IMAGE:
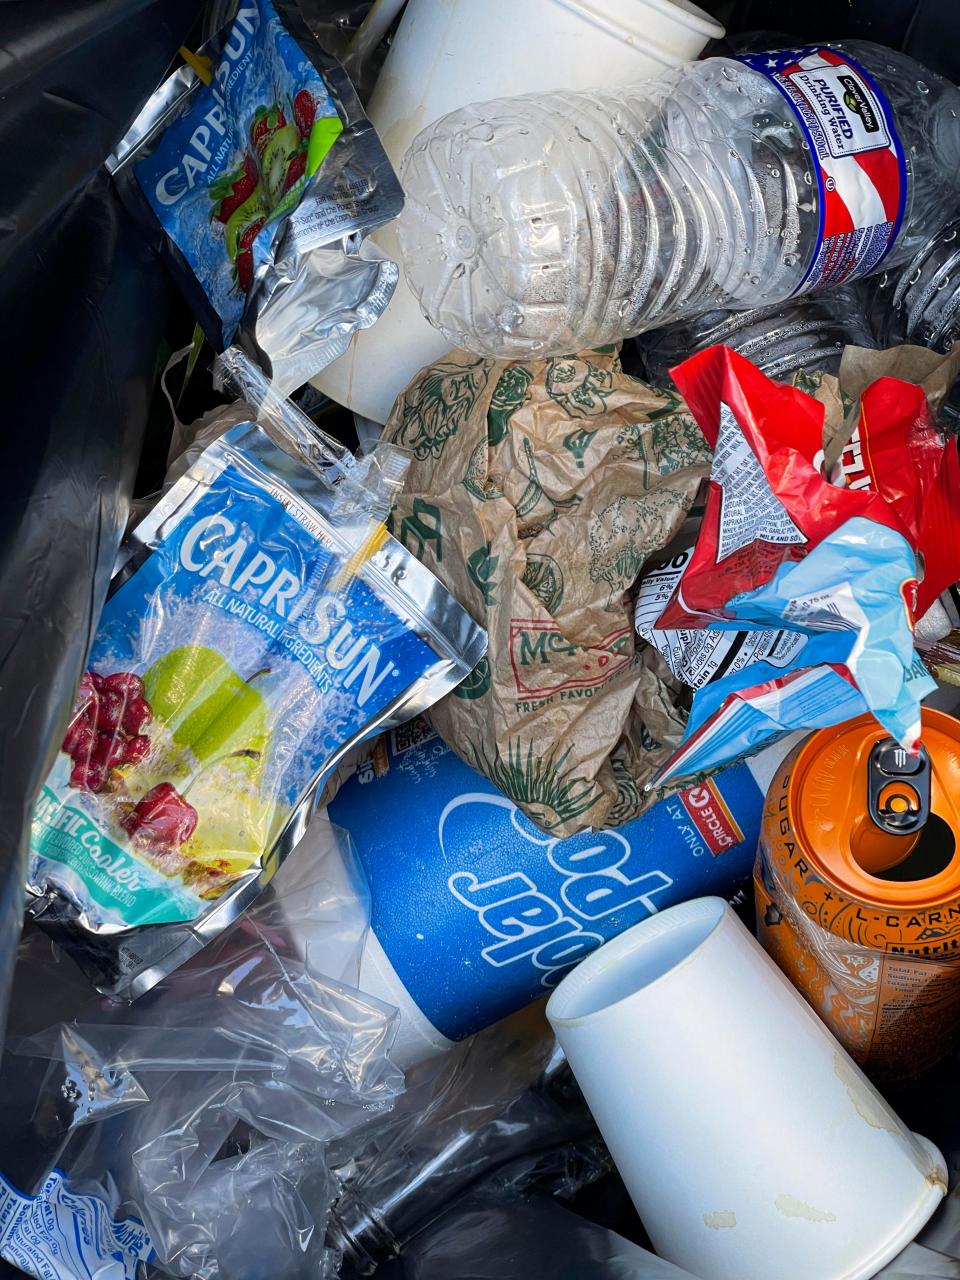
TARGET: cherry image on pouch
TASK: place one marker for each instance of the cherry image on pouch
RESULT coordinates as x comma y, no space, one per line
163,819
110,714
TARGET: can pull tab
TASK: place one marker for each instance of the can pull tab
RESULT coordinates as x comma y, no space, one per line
899,788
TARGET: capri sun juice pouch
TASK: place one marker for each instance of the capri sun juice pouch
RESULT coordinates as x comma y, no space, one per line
250,185
247,643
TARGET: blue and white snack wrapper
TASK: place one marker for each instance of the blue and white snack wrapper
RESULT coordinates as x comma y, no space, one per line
829,637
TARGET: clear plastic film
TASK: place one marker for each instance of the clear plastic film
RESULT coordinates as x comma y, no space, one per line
262,998
301,1031
370,482
505,1104
217,1095
368,485
46,1103
243,1216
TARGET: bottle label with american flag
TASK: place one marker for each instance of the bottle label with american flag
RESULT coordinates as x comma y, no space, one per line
858,159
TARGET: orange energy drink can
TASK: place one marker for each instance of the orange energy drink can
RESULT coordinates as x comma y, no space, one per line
857,884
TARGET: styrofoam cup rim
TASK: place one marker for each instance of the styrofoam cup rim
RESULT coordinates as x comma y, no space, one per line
622,948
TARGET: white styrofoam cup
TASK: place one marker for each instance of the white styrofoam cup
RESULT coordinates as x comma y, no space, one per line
751,1144
448,53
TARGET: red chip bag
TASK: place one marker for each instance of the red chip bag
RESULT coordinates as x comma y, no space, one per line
898,450
768,501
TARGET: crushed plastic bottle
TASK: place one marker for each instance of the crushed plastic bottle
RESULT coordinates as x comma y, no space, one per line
547,224
920,303
805,334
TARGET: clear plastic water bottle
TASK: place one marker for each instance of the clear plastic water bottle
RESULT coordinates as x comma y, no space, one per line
804,334
920,303
546,224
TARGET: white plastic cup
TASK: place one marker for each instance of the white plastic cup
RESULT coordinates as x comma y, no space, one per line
448,53
751,1144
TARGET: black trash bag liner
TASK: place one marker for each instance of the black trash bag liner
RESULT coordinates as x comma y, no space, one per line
82,306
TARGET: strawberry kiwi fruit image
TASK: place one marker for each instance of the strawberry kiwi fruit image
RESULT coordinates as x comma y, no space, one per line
304,113
243,198
234,190
241,205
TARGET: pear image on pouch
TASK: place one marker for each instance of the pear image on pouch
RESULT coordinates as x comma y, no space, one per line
216,725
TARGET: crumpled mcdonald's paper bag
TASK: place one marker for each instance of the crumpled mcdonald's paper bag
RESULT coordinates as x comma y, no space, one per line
537,492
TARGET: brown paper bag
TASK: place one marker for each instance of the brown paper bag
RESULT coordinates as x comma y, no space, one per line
537,492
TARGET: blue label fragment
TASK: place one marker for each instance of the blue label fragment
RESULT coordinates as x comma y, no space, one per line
60,1235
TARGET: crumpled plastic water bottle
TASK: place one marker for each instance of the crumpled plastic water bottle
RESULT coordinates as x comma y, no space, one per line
803,335
540,225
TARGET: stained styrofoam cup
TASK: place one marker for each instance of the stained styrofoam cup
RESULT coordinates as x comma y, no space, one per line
448,53
750,1143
